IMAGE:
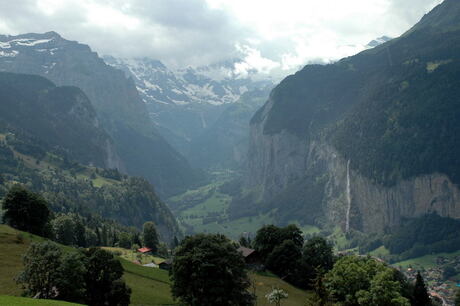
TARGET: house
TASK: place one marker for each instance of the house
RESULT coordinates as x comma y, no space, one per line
166,265
145,250
251,256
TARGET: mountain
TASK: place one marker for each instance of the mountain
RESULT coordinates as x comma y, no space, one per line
366,141
44,131
115,99
186,103
66,118
224,144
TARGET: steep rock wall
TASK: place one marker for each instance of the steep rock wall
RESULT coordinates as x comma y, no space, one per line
375,207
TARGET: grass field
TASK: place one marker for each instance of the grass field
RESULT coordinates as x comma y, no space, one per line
11,249
150,286
265,284
21,301
132,256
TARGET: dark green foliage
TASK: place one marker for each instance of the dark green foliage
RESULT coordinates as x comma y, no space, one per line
317,256
364,281
457,298
124,241
92,276
424,235
71,282
150,236
26,211
41,275
103,279
284,261
64,230
270,236
208,270
421,297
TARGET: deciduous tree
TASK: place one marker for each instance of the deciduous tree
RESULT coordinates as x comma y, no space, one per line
208,270
26,211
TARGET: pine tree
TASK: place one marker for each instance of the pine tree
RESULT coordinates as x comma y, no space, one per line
421,297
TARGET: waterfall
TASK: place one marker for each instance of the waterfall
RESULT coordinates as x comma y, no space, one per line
347,224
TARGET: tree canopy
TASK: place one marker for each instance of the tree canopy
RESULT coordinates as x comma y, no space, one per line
26,211
208,270
150,236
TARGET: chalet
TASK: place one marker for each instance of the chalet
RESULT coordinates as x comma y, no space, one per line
145,250
251,256
166,265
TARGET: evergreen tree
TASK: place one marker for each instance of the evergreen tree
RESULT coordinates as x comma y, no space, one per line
421,297
457,298
150,236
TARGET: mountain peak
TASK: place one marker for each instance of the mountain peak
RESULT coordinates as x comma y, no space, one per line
444,17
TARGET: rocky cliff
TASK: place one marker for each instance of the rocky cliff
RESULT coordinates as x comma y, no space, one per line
368,140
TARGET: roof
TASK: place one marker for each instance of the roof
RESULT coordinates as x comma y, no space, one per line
151,265
144,250
245,251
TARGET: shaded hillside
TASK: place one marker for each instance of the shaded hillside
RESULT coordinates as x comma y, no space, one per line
61,116
114,97
44,131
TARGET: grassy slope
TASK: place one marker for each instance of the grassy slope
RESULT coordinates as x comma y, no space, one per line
265,284
132,256
149,286
11,251
21,301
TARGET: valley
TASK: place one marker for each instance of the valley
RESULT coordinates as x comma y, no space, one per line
247,178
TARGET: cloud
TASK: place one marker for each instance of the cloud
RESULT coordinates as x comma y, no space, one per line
272,37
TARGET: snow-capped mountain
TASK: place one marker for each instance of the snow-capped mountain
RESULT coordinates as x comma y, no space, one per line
118,105
378,41
183,103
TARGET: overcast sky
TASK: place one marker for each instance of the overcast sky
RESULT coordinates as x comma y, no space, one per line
269,35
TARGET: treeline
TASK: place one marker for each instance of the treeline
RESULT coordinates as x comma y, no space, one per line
28,211
428,234
415,237
91,276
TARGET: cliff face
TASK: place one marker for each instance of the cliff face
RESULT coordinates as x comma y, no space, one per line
376,134
373,207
